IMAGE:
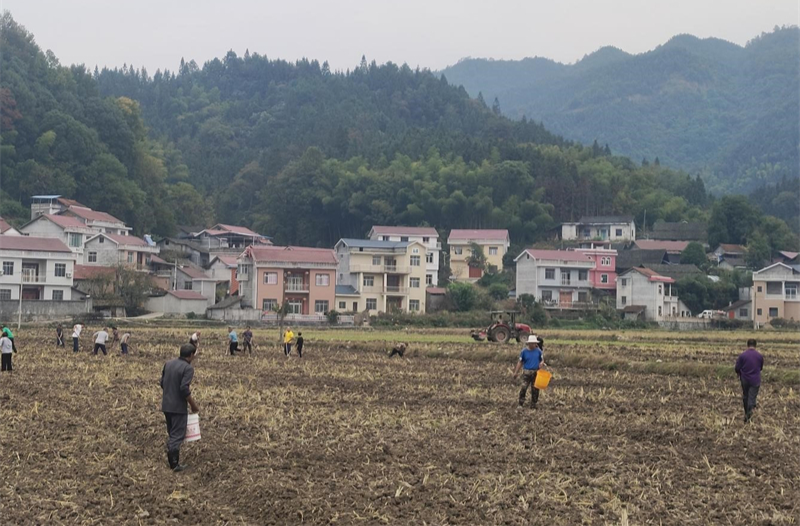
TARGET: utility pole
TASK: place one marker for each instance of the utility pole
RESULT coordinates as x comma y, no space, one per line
19,314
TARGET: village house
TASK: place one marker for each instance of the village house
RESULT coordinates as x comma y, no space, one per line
611,228
604,274
425,235
190,278
627,259
739,310
645,294
302,278
8,230
51,204
559,279
223,270
729,256
680,231
177,302
38,268
220,240
111,250
674,249
775,293
386,275
494,244
70,230
100,222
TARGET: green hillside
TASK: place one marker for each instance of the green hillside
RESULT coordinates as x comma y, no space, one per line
703,105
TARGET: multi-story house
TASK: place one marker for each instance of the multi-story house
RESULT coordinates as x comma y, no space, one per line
494,243
111,250
51,204
556,278
644,293
190,278
100,222
7,230
730,256
223,269
611,228
386,275
776,293
674,249
71,230
38,268
231,237
303,278
425,235
604,274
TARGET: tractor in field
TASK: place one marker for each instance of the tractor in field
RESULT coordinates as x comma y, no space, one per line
504,327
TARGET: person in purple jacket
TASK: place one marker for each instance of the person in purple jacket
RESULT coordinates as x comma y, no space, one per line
748,367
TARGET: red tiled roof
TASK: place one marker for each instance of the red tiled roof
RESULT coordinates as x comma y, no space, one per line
65,221
292,255
157,260
4,226
241,230
92,215
194,273
653,275
732,249
406,230
187,295
436,290
70,202
669,246
127,240
465,235
228,260
559,255
82,272
40,244
787,254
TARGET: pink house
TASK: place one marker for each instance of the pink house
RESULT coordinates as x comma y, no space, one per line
604,275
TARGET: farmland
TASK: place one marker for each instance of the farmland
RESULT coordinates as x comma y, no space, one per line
637,428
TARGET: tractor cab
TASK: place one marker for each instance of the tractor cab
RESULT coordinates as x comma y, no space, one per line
503,328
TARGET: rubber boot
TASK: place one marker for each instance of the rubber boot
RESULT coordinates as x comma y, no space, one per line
171,459
178,466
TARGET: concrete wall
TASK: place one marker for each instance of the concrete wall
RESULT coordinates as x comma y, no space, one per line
108,253
169,304
43,310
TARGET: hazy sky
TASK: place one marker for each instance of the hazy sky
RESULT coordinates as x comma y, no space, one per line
431,33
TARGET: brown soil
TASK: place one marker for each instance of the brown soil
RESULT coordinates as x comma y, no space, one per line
348,436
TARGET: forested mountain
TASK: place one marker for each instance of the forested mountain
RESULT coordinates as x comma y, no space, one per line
302,153
707,106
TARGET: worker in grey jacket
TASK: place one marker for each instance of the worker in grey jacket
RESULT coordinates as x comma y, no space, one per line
176,379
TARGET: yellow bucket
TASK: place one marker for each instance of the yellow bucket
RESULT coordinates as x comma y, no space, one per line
542,379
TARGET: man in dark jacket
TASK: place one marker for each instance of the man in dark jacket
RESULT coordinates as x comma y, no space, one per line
176,379
748,367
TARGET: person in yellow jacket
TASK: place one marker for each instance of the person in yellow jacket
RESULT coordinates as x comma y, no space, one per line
288,336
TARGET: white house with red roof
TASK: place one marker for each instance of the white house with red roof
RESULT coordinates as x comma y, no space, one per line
223,269
195,279
51,204
557,278
111,250
178,302
40,268
98,221
645,294
422,234
71,230
7,230
494,243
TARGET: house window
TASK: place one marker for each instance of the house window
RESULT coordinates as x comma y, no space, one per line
413,283
549,273
295,306
660,289
269,305
426,239
774,288
587,232
659,310
547,295
619,232
582,275
342,305
583,297
372,304
566,277
187,285
321,306
624,300
624,282
323,280
92,257
75,240
603,278
369,281
492,251
429,279
58,295
130,257
270,278
413,305
403,239
791,291
376,260
458,251
242,269
415,261
101,239
415,251
61,270
743,313
773,312
8,268
759,312
5,294
429,257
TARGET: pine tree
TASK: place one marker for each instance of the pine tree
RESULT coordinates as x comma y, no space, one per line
496,106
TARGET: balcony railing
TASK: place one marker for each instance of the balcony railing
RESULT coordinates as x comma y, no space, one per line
392,289
296,287
33,278
381,269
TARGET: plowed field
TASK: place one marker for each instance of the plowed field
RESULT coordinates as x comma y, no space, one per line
348,436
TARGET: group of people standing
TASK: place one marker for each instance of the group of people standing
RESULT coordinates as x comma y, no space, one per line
99,338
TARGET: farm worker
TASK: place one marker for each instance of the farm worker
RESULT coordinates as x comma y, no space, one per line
194,339
10,335
114,337
100,339
6,349
530,359
76,334
300,342
748,367
234,345
248,341
123,342
288,336
59,336
176,379
399,350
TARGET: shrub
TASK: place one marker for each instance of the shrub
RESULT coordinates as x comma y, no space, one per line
783,323
462,296
333,317
498,291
